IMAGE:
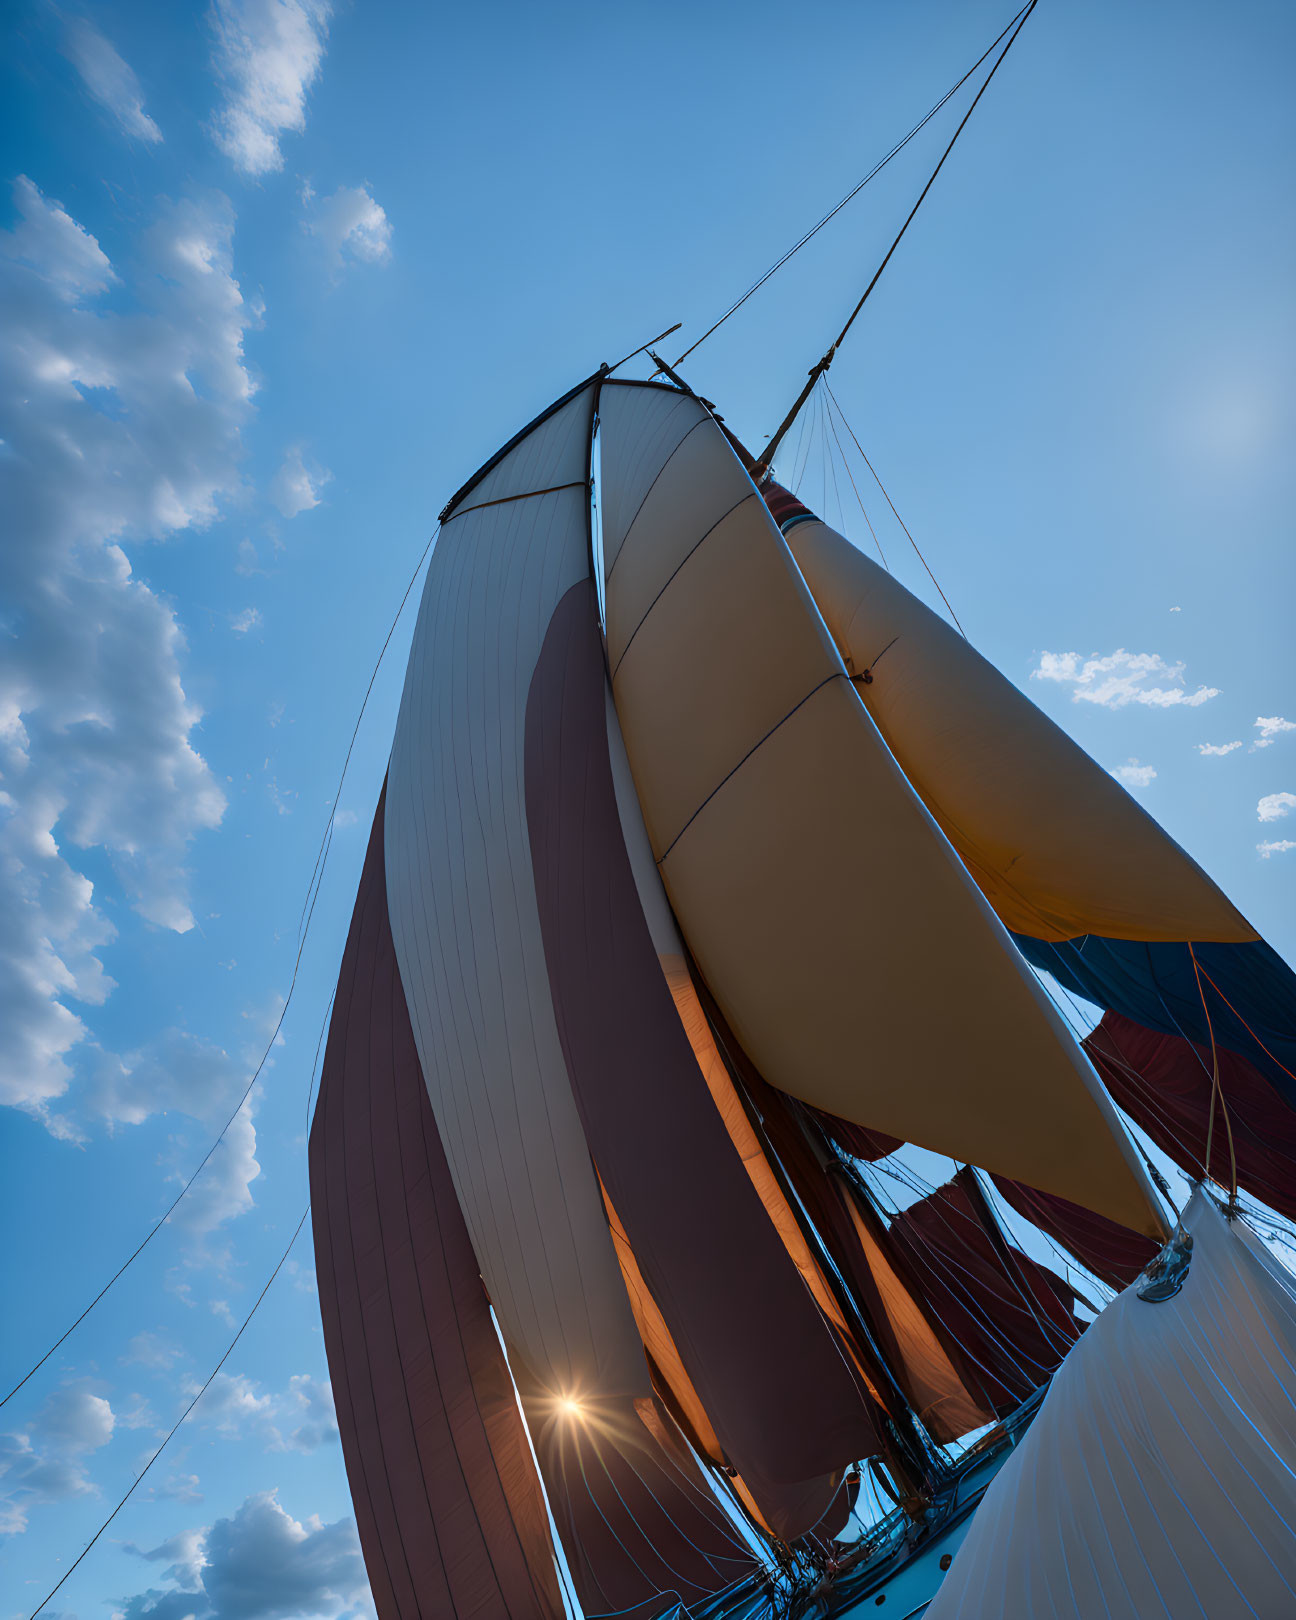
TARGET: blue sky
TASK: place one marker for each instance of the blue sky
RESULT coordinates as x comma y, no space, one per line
278,276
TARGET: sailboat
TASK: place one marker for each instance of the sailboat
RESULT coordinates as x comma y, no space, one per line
712,867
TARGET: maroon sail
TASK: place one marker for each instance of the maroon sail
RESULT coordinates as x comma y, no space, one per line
451,1517
1110,1251
1164,1083
785,1400
1012,1319
637,1518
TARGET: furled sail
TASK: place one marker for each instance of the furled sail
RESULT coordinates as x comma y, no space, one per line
1156,1479
1092,889
450,1512
812,887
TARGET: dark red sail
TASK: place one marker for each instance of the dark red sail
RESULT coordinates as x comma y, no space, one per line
1164,1083
1111,1252
451,1517
1012,1319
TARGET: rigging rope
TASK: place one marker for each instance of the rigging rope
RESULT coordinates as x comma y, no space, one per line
918,553
308,912
229,1350
850,195
822,365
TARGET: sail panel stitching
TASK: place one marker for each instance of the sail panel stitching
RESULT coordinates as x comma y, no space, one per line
629,526
526,495
692,551
837,675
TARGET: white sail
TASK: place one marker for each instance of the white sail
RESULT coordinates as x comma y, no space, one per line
465,920
1158,1481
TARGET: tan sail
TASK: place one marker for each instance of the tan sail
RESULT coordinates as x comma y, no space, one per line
856,961
1057,845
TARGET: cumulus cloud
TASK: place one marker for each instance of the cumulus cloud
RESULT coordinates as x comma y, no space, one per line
1271,729
1275,805
118,424
352,224
1218,748
1121,678
248,619
301,1418
268,54
44,1463
260,1564
1134,775
232,1403
295,487
1275,846
109,79
181,1073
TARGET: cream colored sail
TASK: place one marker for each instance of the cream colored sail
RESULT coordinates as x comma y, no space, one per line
848,947
465,922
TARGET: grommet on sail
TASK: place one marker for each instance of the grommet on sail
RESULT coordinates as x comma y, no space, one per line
629,999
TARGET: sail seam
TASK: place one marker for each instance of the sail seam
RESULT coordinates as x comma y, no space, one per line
526,495
675,571
701,422
837,675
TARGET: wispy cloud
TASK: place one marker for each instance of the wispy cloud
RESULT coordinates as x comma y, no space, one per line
1218,748
1275,805
1134,775
248,619
1275,846
352,224
1121,678
109,79
296,487
1270,729
268,54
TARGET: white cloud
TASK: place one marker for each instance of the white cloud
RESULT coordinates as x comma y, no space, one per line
109,79
1275,805
248,619
295,487
309,1407
1134,775
268,53
45,1463
75,1418
260,1564
1275,846
1121,678
179,1073
1218,748
152,1350
352,224
67,260
177,1488
1271,729
248,562
119,424
232,1404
